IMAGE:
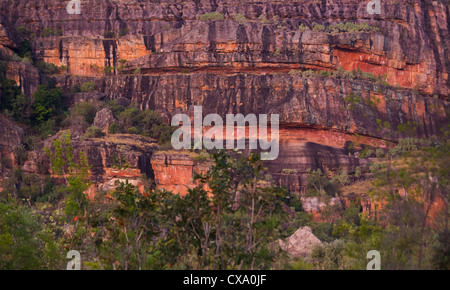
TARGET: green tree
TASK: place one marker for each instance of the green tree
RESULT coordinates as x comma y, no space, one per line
88,87
47,103
25,243
74,171
134,214
246,216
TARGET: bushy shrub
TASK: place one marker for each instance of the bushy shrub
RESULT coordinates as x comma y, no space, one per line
23,31
84,109
319,184
263,19
109,34
295,72
289,171
25,49
47,103
88,87
124,31
303,28
241,19
64,68
349,27
148,123
212,16
8,94
47,68
308,73
93,132
46,32
75,89
47,128
108,69
345,27
325,73
113,128
133,130
318,27
15,57
81,116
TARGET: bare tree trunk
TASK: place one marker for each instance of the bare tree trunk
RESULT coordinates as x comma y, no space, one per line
127,249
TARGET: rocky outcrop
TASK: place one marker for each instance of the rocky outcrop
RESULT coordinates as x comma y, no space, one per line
301,243
175,171
103,119
305,149
111,158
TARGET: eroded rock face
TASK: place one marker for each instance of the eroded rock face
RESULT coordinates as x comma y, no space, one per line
112,158
11,136
174,172
319,102
7,37
410,46
25,75
231,66
301,243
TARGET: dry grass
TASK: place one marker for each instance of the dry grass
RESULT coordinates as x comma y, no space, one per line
129,139
360,188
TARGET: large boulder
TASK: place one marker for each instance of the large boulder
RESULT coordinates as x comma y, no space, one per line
103,119
301,243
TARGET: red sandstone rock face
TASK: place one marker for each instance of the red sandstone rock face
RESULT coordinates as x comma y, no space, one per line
411,46
25,75
7,37
175,172
315,102
113,158
11,136
231,67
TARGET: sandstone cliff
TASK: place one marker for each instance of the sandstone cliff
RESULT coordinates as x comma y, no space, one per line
270,57
410,46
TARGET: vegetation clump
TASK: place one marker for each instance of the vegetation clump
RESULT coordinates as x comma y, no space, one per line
212,16
343,27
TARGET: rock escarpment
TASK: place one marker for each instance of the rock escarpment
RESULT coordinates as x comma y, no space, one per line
175,172
410,43
112,158
334,73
